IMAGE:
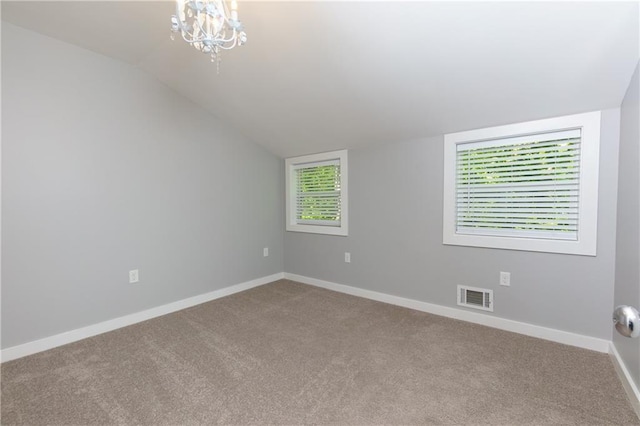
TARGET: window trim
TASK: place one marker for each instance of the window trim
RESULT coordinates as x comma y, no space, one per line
586,242
290,185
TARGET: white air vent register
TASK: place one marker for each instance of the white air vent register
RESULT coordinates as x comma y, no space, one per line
478,298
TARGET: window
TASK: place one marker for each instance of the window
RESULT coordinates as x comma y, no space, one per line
528,186
316,187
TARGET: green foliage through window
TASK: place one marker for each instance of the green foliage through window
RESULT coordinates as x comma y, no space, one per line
318,194
530,188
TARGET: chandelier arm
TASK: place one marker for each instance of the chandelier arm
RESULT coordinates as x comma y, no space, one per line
192,39
185,29
185,32
233,38
200,25
223,47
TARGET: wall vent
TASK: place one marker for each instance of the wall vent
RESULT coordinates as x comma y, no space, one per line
477,298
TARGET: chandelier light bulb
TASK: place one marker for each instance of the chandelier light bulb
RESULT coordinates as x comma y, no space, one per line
234,10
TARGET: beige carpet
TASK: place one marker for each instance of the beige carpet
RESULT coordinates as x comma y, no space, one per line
287,353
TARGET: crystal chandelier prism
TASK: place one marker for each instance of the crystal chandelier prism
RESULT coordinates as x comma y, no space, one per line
208,25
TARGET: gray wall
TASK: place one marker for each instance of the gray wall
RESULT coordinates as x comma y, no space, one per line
395,241
104,169
627,283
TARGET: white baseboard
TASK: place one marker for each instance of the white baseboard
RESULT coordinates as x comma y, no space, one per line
559,336
51,342
565,337
625,377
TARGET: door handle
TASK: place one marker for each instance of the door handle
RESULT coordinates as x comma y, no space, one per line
627,321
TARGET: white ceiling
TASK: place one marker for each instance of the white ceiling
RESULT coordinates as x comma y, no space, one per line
318,75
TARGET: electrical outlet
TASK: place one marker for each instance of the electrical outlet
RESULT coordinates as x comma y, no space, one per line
134,276
505,278
265,251
347,257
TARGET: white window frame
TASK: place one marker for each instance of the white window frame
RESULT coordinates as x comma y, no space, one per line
586,242
290,166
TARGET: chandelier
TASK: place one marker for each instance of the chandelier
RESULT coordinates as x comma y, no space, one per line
208,26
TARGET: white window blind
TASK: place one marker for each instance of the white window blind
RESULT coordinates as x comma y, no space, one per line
317,193
318,199
525,186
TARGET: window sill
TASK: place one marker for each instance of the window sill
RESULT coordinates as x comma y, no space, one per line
315,229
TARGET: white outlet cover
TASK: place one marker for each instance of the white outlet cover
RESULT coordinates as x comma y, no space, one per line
505,279
134,276
265,251
347,257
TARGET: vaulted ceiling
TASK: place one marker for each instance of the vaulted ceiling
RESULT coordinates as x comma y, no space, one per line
319,75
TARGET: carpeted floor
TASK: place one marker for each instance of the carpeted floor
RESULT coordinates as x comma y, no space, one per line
288,353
